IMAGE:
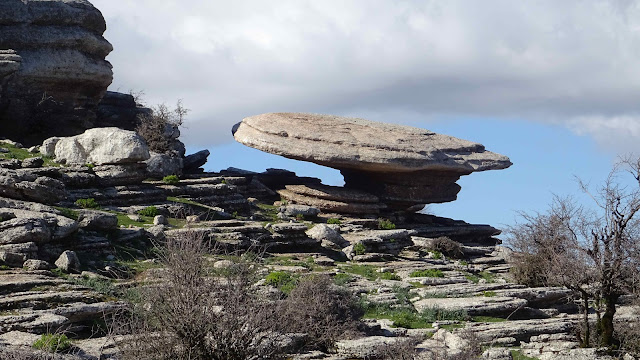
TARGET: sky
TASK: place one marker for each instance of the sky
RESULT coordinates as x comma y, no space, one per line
552,84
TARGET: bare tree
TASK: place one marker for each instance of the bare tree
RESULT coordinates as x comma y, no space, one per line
593,251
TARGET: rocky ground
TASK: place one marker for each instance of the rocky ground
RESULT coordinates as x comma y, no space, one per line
66,260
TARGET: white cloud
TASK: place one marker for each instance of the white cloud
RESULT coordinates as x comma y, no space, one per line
573,62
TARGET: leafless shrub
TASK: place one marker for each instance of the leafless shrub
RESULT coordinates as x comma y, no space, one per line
322,310
404,349
196,314
449,248
153,127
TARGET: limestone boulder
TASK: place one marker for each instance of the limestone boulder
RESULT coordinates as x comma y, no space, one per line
68,262
403,165
63,67
101,146
161,165
193,162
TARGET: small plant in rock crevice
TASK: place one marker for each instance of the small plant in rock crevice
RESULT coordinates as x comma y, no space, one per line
89,203
359,249
386,224
171,180
52,343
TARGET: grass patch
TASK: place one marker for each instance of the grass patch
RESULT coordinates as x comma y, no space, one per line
269,211
407,317
436,255
52,343
342,279
367,271
488,319
21,154
124,220
5,267
66,212
389,276
518,355
99,285
334,221
282,280
489,293
88,203
427,273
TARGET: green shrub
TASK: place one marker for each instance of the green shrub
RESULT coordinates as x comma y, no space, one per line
489,293
436,255
427,273
282,280
52,343
475,278
334,221
386,224
359,249
150,211
299,217
171,180
89,203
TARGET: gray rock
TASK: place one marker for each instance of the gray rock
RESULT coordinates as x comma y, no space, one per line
161,165
34,264
122,174
12,259
301,210
34,162
160,220
63,70
22,185
327,234
405,167
97,220
332,199
68,262
194,161
48,147
101,146
479,305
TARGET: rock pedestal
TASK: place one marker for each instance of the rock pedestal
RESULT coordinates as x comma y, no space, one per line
404,166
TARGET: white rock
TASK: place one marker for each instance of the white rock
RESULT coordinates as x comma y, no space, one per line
101,146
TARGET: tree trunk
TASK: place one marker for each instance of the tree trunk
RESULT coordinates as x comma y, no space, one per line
606,323
587,330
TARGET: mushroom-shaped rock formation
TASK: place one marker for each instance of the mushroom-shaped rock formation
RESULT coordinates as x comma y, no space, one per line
402,165
63,73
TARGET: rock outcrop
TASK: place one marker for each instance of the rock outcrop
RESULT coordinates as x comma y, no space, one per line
402,165
62,74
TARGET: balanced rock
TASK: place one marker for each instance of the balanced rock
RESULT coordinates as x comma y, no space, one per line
102,146
63,72
404,166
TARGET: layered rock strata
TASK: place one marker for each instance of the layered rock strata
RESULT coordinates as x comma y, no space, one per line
63,72
404,166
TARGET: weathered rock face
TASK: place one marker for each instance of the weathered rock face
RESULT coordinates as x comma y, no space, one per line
63,73
402,165
101,146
